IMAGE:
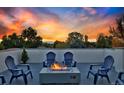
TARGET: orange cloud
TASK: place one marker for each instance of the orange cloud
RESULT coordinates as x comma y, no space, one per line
95,28
6,23
16,24
52,31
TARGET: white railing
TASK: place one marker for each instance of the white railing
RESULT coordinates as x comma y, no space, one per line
80,55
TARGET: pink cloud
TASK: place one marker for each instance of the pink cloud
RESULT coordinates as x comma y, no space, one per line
90,10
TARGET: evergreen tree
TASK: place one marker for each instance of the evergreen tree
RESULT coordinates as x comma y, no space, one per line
24,56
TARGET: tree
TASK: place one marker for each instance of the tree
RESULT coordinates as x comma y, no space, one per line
75,40
24,56
86,38
103,41
20,42
29,34
12,41
30,37
16,40
6,42
118,31
47,45
37,41
86,41
1,46
92,45
59,44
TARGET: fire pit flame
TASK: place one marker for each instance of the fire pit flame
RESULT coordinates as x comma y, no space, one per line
57,66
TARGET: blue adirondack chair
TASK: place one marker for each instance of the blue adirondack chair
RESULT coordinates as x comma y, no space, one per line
120,80
2,79
16,71
50,59
68,60
103,69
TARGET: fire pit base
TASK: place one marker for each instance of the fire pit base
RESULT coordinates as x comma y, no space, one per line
47,76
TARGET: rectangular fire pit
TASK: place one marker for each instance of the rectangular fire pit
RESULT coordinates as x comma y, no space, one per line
69,76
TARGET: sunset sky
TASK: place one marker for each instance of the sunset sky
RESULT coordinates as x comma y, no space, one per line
55,23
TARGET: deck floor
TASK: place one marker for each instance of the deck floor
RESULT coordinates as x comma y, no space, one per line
82,67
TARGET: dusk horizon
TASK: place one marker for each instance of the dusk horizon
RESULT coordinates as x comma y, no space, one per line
55,23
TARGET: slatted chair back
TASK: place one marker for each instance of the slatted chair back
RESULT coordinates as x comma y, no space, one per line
68,58
9,61
108,62
50,58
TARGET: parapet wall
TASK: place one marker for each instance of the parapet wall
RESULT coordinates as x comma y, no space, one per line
80,55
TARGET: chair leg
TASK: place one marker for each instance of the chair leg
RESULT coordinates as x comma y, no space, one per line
116,82
11,79
108,79
95,79
88,75
3,80
25,79
31,75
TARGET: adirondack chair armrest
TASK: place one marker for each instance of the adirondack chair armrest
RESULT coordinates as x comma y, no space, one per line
13,70
27,65
94,65
44,64
74,63
1,76
63,62
120,75
102,69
